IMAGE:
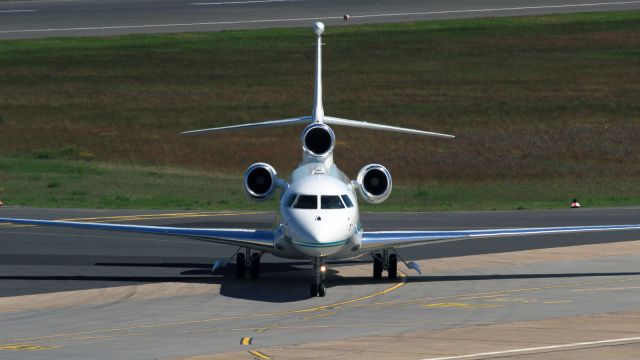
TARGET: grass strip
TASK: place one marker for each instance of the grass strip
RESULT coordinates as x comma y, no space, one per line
545,108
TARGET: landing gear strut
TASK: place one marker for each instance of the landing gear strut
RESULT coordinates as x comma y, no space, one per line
385,261
241,265
377,266
255,265
247,259
319,287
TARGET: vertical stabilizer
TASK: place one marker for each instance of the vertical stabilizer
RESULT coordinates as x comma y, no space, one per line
317,115
318,111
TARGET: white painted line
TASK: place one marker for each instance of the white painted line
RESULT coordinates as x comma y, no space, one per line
36,1
121,27
609,289
542,7
541,348
241,2
15,11
266,21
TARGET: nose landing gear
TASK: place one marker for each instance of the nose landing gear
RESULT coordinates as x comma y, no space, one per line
319,287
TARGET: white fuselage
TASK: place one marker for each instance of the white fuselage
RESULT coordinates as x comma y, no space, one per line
318,214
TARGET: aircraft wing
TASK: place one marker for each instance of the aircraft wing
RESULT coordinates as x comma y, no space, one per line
375,240
254,239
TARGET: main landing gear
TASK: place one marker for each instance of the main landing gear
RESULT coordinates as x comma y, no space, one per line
248,260
319,287
385,261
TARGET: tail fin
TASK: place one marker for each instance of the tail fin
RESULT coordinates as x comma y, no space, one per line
317,114
318,110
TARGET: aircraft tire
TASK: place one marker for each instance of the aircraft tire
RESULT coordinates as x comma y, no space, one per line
377,267
255,266
322,290
393,267
240,266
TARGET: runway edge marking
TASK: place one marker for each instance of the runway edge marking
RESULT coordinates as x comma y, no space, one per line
541,348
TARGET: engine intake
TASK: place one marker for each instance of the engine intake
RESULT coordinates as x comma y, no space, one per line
260,181
318,140
374,183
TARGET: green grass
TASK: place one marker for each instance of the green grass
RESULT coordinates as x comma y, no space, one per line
545,108
56,182
77,183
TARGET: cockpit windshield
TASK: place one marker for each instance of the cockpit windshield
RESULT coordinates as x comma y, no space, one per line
331,202
347,201
306,202
311,201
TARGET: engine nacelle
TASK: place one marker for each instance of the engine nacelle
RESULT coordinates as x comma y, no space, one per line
374,183
260,181
318,140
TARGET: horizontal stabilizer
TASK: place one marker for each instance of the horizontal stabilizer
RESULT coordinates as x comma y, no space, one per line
263,124
366,125
308,119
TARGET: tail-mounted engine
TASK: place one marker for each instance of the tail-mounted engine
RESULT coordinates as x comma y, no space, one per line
318,140
374,183
260,181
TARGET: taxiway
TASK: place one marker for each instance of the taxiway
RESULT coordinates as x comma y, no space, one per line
76,294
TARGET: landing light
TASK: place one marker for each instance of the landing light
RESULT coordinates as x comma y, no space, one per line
323,268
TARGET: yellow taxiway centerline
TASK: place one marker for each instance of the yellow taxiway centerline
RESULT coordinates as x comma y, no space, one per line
263,329
318,316
55,337
27,347
259,354
495,293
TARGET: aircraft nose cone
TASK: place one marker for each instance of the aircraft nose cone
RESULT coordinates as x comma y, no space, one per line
317,236
323,231
318,233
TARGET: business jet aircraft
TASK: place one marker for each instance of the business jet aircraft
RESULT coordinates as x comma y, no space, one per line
318,216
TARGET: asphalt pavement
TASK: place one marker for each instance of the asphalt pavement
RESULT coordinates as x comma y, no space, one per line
41,260
47,18
74,294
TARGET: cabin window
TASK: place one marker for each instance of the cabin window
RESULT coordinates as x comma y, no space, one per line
347,201
290,200
331,202
307,202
